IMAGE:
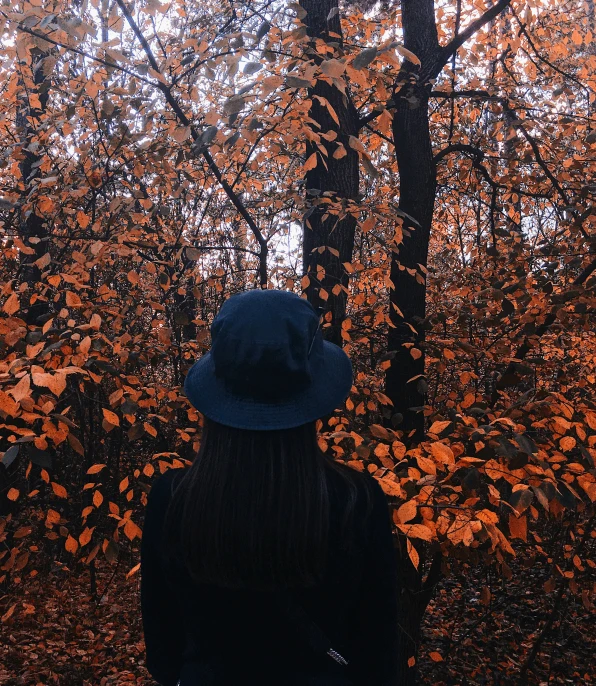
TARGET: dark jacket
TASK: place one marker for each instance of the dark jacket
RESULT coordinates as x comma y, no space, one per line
205,635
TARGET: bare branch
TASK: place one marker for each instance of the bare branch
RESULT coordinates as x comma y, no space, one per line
185,121
459,147
448,50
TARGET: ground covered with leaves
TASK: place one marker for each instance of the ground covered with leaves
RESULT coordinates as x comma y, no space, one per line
478,630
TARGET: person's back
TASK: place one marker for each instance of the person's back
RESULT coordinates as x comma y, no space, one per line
265,563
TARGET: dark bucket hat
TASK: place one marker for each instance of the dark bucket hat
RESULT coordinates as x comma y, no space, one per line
269,367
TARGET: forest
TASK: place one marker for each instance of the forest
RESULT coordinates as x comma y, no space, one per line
423,172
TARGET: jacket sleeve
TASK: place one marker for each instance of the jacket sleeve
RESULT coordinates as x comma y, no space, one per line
375,629
162,621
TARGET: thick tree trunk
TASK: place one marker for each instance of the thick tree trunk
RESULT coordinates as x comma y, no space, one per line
329,242
405,383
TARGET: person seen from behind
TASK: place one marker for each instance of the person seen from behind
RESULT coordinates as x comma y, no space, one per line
267,563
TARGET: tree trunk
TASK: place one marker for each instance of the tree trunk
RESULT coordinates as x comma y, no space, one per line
329,242
405,383
32,228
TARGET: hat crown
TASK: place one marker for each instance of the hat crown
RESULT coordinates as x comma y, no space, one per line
264,344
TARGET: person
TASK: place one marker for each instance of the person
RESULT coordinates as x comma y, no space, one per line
266,562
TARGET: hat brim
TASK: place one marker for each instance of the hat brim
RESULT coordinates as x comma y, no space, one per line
329,388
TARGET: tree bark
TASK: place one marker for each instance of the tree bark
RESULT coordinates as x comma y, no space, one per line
32,226
405,383
329,242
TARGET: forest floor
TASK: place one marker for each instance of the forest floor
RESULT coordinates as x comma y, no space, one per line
58,634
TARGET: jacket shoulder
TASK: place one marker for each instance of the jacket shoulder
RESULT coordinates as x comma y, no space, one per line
163,487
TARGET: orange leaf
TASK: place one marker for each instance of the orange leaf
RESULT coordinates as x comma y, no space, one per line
95,468
85,345
8,614
111,417
442,452
123,484
12,305
71,544
97,498
8,405
518,526
417,531
438,427
436,657
86,535
134,570
55,382
59,490
413,553
12,494
567,443
131,530
406,512
52,517
72,299
310,163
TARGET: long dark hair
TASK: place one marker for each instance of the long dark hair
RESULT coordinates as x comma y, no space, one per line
253,509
